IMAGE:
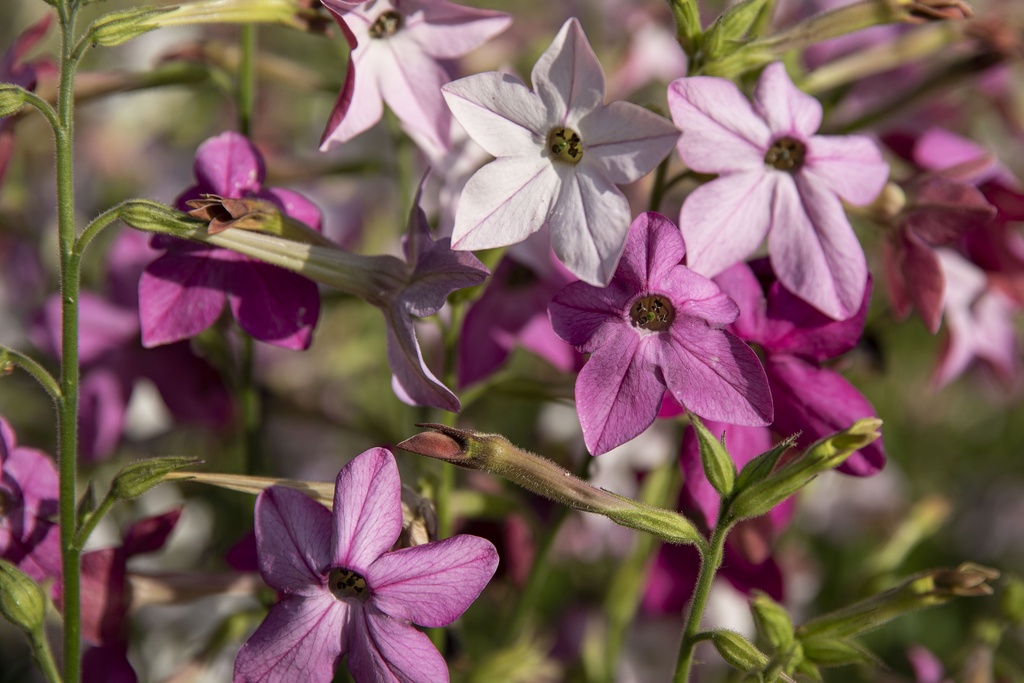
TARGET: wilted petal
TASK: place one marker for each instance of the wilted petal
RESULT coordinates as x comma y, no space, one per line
721,131
568,76
300,640
499,112
626,140
433,584
387,650
725,220
714,374
293,541
367,510
814,251
228,165
786,109
851,166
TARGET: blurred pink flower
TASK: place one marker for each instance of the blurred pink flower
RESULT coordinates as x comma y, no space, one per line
776,178
344,593
657,325
26,74
560,154
398,48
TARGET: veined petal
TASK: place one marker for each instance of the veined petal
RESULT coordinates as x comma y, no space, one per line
293,535
743,287
386,650
500,113
503,202
433,584
274,305
445,30
626,141
367,510
300,640
813,249
413,89
618,392
724,221
851,166
714,374
568,77
180,295
785,108
411,379
585,316
653,249
697,296
359,105
228,165
721,131
589,221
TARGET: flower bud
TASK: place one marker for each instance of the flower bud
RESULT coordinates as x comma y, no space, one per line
732,28
719,468
154,217
738,652
12,99
136,478
21,599
833,652
120,27
688,26
772,621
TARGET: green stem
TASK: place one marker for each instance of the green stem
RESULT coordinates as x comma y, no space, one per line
44,656
658,191
67,406
96,227
710,561
247,80
249,399
44,108
10,357
93,520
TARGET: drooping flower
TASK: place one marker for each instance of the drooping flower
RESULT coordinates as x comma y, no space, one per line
776,178
811,399
184,291
114,360
344,593
560,154
399,46
657,325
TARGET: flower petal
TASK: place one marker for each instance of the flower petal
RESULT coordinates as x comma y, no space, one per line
725,220
445,30
503,202
296,206
589,222
500,113
359,106
411,379
293,541
851,166
587,316
785,108
181,294
721,131
300,640
568,77
653,249
274,305
433,584
714,374
618,392
625,140
367,510
386,650
814,251
228,165
410,82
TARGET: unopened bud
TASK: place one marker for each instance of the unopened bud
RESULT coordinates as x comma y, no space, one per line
12,99
719,468
21,599
154,217
832,652
772,621
732,28
136,478
116,28
738,652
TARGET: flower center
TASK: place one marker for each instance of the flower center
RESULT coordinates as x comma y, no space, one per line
345,583
652,312
386,25
786,154
565,145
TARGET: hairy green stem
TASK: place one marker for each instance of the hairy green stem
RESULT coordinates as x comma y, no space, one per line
10,357
96,227
67,406
710,561
44,108
44,657
658,191
93,520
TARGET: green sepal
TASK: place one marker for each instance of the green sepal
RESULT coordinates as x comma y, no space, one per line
116,28
21,599
12,99
807,669
835,652
136,478
738,652
760,467
772,621
825,454
688,26
733,28
86,504
155,217
719,467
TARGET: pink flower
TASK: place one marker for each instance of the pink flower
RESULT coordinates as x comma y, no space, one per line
657,325
398,48
344,593
776,178
560,154
26,74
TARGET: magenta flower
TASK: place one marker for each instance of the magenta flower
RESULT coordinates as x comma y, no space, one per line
657,325
776,178
184,291
560,154
344,593
26,74
28,501
810,398
398,49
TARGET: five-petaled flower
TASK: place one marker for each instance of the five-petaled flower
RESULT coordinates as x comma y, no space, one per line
657,325
560,153
344,593
184,291
776,177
